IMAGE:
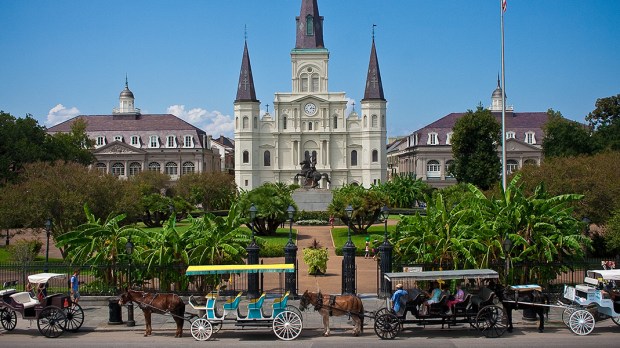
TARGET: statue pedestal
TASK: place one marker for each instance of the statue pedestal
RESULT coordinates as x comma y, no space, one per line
312,199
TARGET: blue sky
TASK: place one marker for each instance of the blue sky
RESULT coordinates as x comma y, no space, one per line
63,58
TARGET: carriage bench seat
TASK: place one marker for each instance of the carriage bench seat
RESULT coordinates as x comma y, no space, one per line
483,298
233,304
255,307
24,299
7,292
279,304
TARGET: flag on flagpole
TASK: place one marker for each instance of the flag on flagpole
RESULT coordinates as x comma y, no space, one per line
504,5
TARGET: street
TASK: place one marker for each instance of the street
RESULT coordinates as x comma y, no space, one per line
606,334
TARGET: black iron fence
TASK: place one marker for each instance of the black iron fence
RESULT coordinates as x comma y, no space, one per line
112,279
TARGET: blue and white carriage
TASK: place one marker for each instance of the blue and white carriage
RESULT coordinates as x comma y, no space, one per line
285,320
598,298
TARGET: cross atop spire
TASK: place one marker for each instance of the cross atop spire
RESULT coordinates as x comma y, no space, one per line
245,88
374,87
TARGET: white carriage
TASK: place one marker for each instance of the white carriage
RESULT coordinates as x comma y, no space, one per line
598,298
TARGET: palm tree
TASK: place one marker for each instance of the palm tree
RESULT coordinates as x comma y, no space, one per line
99,243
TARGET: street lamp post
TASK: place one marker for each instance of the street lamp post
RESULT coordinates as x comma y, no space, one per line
385,252
348,261
48,231
507,248
290,256
129,250
253,250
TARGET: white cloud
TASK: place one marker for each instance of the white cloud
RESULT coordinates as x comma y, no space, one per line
60,113
212,122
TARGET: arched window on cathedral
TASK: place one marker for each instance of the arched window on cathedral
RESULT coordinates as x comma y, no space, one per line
309,126
315,83
267,159
354,158
307,155
304,82
335,122
237,122
309,25
284,122
255,122
375,121
246,122
246,157
375,156
365,121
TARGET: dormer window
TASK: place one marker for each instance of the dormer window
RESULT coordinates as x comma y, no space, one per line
135,141
118,138
510,135
432,139
449,138
171,141
154,141
530,138
100,140
188,141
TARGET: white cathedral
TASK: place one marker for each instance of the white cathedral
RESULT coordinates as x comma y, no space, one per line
310,123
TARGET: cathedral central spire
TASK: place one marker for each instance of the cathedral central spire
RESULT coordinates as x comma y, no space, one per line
309,26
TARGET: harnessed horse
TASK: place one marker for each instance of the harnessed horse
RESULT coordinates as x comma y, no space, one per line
328,305
157,303
531,299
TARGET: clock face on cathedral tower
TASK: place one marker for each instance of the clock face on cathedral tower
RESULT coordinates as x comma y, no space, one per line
310,109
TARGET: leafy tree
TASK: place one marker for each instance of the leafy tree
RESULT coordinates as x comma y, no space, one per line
474,144
212,190
403,191
58,192
565,137
271,201
595,177
605,119
366,204
23,140
612,233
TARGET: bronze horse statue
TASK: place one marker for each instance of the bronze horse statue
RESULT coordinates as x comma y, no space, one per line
157,303
328,305
311,176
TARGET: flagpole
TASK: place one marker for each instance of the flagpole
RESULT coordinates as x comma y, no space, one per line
501,10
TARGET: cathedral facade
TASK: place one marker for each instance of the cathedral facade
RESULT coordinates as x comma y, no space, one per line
310,123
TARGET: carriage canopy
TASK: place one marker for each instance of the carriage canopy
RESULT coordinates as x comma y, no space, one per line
227,269
443,275
42,278
606,274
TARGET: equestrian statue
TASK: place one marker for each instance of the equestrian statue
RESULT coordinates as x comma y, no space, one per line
311,177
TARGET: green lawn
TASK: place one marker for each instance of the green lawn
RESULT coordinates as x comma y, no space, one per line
374,232
4,255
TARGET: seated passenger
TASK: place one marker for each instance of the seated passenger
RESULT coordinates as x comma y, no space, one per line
435,295
458,298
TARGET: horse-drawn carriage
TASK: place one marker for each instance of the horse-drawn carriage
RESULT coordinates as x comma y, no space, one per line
54,314
597,299
285,320
479,307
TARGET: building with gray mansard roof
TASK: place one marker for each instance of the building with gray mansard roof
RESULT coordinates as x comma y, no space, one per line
128,142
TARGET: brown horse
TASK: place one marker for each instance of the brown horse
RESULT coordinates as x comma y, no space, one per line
157,303
328,305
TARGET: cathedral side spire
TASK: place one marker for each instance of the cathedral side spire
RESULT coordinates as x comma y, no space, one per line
374,87
309,26
245,89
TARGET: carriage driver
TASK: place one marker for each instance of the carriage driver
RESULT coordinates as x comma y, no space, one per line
396,305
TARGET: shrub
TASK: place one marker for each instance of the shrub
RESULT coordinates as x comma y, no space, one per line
25,250
316,258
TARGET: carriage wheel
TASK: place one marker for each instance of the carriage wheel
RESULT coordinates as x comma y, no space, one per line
51,321
201,329
8,319
217,326
287,325
581,322
568,311
294,310
381,312
387,326
616,320
491,321
75,317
